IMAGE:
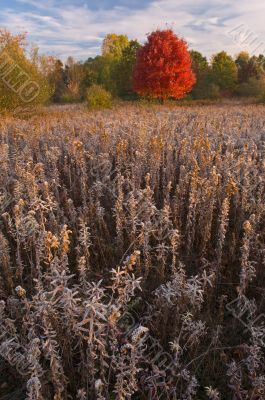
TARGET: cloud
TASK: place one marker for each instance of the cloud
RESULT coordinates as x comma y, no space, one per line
74,28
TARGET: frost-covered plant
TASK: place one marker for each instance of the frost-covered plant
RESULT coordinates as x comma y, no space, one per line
132,253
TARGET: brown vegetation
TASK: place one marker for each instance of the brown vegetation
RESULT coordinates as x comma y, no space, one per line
127,232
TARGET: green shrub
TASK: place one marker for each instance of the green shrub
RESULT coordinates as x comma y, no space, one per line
253,88
261,97
213,91
67,98
206,90
97,97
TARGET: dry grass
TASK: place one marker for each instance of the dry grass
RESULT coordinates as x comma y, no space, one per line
156,214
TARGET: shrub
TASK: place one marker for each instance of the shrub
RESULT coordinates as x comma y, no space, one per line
206,90
253,88
67,98
261,97
97,97
213,91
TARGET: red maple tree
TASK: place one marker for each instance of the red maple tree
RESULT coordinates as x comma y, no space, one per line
163,67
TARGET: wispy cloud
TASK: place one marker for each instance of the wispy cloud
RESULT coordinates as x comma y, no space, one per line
75,27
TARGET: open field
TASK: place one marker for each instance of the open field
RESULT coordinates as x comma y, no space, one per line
132,254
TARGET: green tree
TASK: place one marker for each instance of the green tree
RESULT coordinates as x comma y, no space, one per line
100,71
113,67
243,66
199,62
204,87
224,72
122,71
57,80
91,72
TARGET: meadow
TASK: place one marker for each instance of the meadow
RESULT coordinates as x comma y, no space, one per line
132,253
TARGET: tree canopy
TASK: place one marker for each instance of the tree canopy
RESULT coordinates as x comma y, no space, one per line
114,44
224,71
163,67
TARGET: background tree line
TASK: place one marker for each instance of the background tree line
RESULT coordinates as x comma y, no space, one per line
222,76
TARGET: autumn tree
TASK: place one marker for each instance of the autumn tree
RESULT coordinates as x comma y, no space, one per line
251,81
114,44
257,66
53,70
22,84
74,76
163,67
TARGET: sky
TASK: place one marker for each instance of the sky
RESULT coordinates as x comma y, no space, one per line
77,27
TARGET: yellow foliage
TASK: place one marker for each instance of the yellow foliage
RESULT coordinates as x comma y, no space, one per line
21,83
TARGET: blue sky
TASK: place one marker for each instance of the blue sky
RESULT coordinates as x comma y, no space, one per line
68,27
